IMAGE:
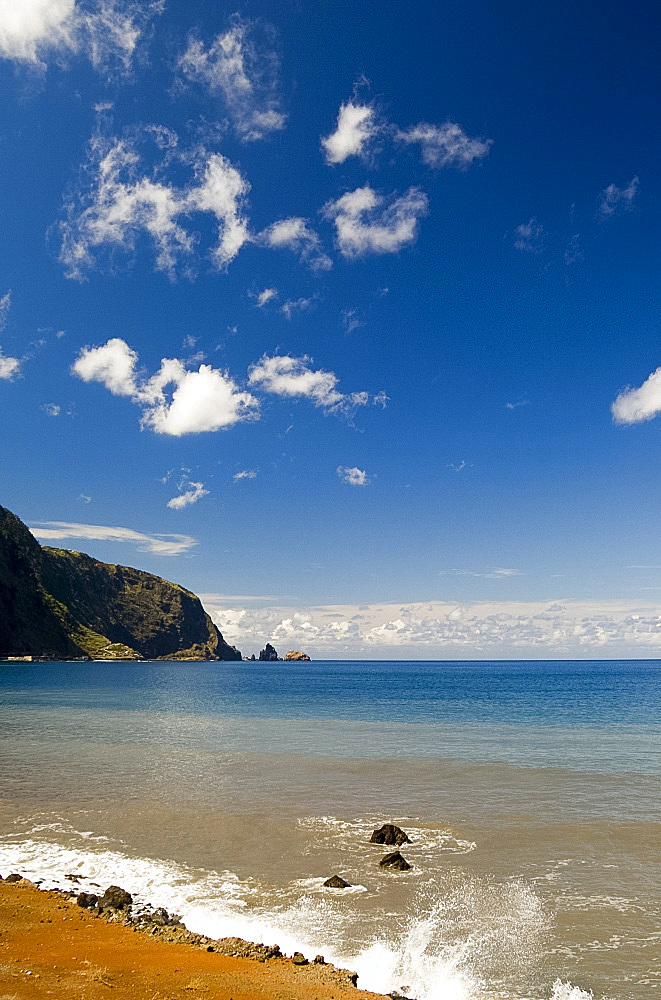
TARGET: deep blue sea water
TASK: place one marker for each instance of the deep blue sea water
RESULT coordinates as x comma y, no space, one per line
228,791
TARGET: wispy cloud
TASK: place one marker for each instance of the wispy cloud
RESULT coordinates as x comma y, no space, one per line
157,544
294,377
5,306
244,474
366,222
292,306
106,32
495,573
174,401
614,199
242,68
633,406
356,125
52,409
351,320
125,200
352,475
265,296
189,493
517,404
445,145
10,368
296,234
529,236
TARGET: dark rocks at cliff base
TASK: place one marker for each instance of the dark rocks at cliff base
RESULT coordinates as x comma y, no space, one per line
299,959
268,654
14,877
88,900
390,835
396,862
116,898
336,882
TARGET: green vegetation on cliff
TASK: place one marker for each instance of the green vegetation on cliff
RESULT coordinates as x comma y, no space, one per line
60,603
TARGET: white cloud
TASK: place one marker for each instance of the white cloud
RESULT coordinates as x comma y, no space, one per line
244,474
174,401
445,145
123,202
293,377
633,406
113,364
495,573
51,409
363,225
105,31
295,234
352,475
189,493
246,75
613,199
267,295
435,629
5,306
297,305
350,320
9,367
529,236
355,127
158,544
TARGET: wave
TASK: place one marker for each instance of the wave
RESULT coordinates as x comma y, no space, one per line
452,945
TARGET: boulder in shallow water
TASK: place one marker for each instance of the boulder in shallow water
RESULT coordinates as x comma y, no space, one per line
389,834
116,898
396,862
336,882
299,959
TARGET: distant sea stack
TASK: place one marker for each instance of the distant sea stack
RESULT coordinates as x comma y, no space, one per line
268,654
293,654
65,605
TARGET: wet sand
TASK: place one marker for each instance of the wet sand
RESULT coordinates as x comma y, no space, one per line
51,947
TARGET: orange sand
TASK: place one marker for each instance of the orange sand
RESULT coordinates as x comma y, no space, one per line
50,947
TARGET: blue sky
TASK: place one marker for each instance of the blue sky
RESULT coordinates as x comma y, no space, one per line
321,308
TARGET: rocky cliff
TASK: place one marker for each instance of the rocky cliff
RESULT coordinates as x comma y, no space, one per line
65,604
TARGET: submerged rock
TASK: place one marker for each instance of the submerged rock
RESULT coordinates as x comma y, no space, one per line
390,834
336,882
395,861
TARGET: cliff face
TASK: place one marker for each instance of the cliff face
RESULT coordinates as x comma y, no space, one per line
59,602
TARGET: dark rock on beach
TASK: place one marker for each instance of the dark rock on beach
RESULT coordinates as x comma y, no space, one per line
14,877
116,898
396,862
336,882
88,900
390,834
299,959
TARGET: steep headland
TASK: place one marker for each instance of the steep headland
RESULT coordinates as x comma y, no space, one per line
64,604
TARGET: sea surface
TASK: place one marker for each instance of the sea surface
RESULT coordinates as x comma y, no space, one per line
228,792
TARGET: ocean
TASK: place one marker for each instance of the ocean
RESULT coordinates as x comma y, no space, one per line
228,793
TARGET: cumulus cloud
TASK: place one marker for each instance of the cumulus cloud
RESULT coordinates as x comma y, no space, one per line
445,145
244,72
9,367
529,236
174,401
157,544
633,406
296,234
366,223
614,199
443,629
104,31
352,475
356,125
294,377
189,493
124,202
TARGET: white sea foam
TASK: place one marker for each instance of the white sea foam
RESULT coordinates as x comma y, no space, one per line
446,949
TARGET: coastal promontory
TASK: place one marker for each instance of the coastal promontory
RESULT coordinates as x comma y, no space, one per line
64,604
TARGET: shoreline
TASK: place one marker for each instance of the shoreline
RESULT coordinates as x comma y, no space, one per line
50,945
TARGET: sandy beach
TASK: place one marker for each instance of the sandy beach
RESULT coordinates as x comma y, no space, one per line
51,947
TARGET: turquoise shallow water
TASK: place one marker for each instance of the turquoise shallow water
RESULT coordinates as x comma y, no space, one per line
229,791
